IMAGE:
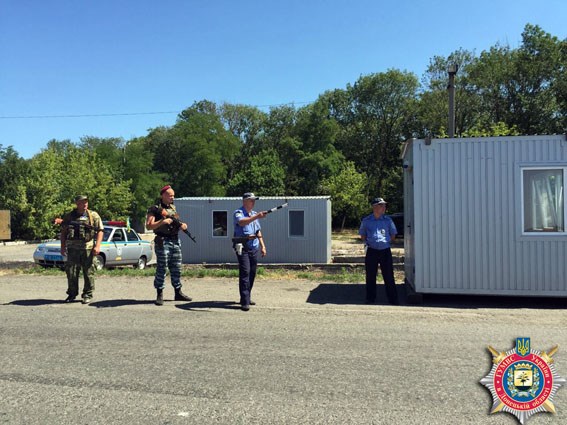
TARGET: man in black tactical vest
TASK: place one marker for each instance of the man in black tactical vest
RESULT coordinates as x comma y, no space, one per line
164,221
81,236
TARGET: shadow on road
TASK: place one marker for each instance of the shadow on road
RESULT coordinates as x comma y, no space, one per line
341,293
354,293
119,303
198,306
35,303
497,301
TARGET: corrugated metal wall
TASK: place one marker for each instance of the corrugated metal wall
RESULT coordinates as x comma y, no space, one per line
313,247
408,231
467,218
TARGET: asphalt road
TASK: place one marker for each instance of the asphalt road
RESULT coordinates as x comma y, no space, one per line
17,252
308,353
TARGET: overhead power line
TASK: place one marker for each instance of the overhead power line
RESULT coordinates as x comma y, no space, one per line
16,117
87,115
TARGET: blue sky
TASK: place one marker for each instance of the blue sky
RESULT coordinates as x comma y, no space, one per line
63,57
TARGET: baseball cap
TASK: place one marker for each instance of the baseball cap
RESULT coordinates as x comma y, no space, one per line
81,198
249,195
378,201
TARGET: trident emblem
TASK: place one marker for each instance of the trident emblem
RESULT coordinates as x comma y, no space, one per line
523,346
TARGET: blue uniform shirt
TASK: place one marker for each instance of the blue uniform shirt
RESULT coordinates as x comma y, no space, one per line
378,231
249,229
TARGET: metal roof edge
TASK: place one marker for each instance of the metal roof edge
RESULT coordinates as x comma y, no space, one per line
239,198
488,138
405,147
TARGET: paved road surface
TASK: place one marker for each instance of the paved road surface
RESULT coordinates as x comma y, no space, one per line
308,353
17,252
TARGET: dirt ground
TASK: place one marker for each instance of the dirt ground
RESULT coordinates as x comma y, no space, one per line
348,244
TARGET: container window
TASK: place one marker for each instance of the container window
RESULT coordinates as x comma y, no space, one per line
220,223
544,201
296,223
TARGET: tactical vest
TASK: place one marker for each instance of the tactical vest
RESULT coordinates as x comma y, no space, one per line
81,227
161,211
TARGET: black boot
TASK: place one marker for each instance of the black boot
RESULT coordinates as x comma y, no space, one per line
180,296
159,299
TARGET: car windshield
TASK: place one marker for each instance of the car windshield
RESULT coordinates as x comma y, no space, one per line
107,232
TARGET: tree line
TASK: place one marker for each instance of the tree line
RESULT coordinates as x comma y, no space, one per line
345,144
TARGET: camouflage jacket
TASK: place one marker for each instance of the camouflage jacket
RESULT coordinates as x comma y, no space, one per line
81,229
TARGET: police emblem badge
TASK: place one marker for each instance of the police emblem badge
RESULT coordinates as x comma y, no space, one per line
522,381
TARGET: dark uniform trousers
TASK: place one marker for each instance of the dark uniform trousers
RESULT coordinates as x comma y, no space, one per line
80,259
383,257
247,264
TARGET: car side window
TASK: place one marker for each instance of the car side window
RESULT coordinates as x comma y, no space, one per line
107,232
118,235
132,236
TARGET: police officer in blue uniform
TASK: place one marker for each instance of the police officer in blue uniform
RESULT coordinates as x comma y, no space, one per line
248,229
377,231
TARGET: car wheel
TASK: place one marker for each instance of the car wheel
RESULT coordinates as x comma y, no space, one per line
141,265
98,262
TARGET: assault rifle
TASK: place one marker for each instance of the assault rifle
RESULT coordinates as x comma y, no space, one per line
177,223
186,231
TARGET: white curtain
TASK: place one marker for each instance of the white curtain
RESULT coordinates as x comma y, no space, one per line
543,201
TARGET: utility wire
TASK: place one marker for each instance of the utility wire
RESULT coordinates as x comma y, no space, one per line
16,117
86,115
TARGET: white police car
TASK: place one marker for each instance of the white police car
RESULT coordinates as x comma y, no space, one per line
120,247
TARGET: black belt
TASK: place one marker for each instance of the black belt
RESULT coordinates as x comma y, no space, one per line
168,237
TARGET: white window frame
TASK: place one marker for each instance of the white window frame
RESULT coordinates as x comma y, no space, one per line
213,223
562,167
289,224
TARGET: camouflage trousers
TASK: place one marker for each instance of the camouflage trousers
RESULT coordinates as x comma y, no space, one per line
168,255
77,260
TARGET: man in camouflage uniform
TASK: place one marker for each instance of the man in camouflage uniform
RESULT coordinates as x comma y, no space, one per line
164,221
81,236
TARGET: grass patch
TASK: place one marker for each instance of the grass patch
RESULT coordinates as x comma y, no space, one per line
346,235
38,270
343,275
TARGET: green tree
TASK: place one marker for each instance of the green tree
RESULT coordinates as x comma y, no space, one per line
109,150
195,153
433,106
144,181
318,156
559,87
379,115
347,191
518,87
538,64
305,142
13,170
60,172
247,123
497,129
263,175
